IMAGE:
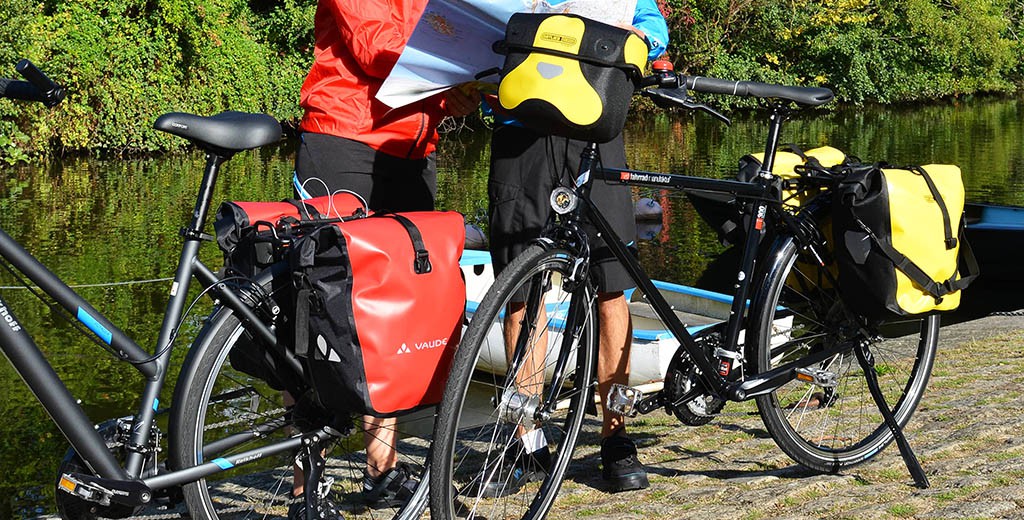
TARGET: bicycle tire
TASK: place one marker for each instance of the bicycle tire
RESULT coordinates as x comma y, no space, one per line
471,436
214,401
831,428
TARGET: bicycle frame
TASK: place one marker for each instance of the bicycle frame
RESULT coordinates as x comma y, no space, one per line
714,373
53,394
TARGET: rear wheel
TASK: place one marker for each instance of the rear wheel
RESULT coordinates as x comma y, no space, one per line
492,408
828,428
221,411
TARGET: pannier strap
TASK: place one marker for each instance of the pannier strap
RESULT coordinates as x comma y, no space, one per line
951,241
503,47
306,211
421,264
936,289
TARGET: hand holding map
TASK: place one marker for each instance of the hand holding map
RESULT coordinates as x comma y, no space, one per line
451,45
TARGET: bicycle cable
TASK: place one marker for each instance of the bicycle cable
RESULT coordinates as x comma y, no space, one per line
90,285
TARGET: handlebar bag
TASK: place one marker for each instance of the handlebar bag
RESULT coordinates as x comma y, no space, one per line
569,76
899,238
252,235
383,301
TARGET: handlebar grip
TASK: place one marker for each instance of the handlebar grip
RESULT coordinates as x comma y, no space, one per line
52,93
20,90
812,96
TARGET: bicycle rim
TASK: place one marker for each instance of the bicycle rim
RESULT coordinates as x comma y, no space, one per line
828,428
482,415
224,404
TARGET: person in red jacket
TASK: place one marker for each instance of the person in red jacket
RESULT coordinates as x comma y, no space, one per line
351,141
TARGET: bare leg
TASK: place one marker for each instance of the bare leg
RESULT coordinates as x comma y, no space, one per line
380,435
613,361
530,378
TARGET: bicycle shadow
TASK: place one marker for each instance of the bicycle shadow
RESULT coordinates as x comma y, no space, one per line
585,469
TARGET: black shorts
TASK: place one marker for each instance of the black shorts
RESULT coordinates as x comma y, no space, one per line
326,163
525,168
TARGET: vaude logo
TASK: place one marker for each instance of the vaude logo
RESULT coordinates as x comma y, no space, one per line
426,345
6,315
326,352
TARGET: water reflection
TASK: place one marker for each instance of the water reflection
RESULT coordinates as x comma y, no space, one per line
114,221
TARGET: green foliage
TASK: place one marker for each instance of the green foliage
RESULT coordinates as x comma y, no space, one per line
865,50
125,62
128,61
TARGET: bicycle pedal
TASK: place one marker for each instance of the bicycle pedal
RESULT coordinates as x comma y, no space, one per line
623,400
822,378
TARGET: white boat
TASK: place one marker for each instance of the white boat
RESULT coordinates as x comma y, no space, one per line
653,345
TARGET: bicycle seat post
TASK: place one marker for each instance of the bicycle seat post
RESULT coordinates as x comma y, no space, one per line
775,120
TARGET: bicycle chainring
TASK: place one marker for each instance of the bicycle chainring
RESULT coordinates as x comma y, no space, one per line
680,378
115,434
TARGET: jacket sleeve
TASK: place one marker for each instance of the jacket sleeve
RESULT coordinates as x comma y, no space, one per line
648,19
370,32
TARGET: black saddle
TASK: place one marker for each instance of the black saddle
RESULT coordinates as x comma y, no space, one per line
225,133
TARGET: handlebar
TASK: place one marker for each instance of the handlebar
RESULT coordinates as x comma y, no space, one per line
809,96
38,87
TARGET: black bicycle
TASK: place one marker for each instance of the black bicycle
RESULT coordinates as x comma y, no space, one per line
233,440
821,374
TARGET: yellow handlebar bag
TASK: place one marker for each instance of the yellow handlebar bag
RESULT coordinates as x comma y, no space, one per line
569,76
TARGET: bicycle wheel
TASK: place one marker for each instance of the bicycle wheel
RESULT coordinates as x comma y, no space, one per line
221,411
828,428
480,467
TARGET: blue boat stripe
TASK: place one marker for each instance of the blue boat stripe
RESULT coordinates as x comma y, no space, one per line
94,326
223,463
156,404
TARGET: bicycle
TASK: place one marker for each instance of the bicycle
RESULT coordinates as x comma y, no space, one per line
231,440
820,374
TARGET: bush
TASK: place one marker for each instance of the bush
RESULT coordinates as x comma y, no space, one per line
125,62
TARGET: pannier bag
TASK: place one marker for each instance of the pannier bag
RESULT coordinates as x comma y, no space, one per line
252,236
899,239
384,300
724,216
569,76
249,233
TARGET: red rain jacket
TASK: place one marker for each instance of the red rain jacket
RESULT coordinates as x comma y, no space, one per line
357,44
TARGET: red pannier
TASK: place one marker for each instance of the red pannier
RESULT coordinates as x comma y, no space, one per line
384,300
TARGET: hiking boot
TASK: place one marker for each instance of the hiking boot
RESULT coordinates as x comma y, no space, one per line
620,467
393,488
509,473
326,510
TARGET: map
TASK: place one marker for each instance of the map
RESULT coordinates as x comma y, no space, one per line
452,43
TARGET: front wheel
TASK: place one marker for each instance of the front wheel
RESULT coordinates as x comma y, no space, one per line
220,411
519,387
828,428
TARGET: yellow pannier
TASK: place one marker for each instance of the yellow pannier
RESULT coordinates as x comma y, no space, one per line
899,239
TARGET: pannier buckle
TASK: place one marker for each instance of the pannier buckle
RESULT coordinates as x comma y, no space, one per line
951,243
422,262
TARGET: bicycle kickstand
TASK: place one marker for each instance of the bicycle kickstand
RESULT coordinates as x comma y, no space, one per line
867,363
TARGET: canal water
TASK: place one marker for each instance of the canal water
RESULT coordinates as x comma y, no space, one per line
110,228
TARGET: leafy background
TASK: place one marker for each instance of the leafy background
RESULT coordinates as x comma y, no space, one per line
125,62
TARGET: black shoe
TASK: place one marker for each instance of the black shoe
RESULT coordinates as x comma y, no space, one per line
393,488
509,473
326,510
621,468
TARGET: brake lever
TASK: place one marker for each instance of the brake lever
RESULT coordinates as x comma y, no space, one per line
679,97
